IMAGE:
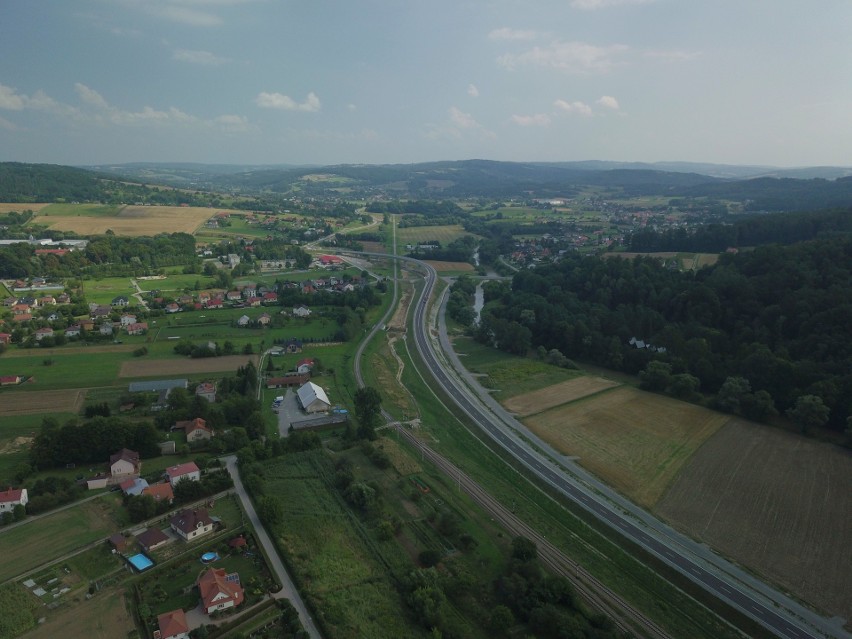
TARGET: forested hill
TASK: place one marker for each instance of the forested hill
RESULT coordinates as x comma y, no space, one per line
48,183
54,183
778,316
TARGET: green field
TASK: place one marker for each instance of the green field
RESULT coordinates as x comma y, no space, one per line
509,375
37,542
74,369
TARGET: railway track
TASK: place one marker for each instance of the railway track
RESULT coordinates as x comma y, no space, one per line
591,591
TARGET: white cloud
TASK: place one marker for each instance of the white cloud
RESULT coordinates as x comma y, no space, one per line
101,112
573,57
90,96
591,5
5,124
351,107
184,15
609,102
198,57
286,103
10,99
232,123
462,120
538,119
460,124
673,55
472,91
512,34
577,107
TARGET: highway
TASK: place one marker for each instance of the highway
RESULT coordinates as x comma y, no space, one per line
773,613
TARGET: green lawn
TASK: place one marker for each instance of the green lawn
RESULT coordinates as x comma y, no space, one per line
103,290
175,283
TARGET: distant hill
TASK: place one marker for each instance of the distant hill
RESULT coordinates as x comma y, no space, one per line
435,180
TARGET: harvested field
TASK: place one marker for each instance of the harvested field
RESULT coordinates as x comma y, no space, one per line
775,502
635,441
165,367
20,207
135,221
449,266
48,401
556,395
103,617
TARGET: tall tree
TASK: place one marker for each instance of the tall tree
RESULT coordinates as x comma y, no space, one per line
368,406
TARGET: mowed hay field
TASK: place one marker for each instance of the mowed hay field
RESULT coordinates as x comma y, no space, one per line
133,221
776,502
68,400
161,367
635,441
105,616
556,395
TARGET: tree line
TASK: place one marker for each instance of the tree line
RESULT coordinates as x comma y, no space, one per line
777,316
779,228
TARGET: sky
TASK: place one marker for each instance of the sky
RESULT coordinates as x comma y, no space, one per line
762,82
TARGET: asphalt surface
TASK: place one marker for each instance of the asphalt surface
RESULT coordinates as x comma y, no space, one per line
770,608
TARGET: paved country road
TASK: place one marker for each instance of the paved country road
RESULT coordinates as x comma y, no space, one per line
288,588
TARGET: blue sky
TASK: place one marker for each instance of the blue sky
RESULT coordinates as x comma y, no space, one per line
398,81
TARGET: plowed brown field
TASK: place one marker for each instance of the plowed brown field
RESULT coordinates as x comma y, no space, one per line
776,502
164,367
48,401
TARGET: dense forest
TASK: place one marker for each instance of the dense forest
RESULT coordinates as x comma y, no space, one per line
776,316
779,228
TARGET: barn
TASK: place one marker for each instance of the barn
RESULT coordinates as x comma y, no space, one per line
313,398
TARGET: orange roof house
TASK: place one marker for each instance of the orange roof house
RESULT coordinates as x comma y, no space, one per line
173,625
219,590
